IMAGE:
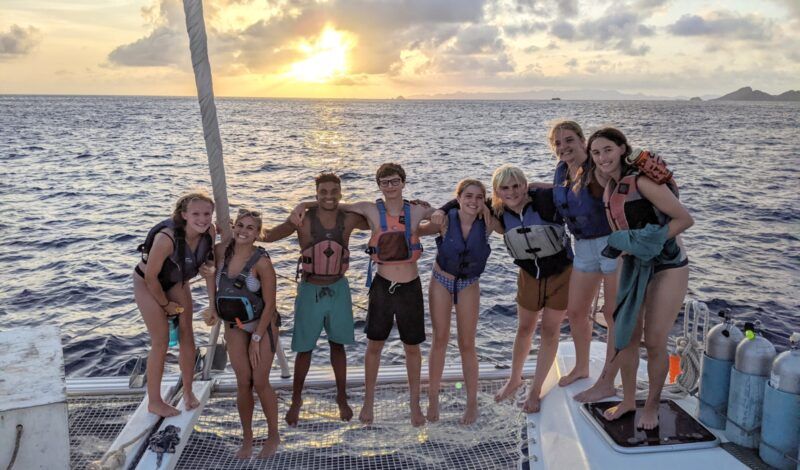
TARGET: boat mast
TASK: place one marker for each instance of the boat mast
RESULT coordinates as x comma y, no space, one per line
198,44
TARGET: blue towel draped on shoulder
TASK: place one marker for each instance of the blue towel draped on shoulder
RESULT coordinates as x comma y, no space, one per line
645,248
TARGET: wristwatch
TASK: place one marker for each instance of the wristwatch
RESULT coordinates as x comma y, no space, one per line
256,337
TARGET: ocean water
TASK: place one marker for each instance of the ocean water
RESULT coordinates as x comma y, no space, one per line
83,179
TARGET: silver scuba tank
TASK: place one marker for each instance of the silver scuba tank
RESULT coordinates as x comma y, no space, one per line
715,377
721,340
754,356
781,418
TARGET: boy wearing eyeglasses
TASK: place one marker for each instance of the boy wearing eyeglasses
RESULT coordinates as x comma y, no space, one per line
323,294
395,294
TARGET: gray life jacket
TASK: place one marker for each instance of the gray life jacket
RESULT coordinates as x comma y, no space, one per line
235,302
530,237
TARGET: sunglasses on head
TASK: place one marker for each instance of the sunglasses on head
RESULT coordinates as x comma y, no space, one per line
247,212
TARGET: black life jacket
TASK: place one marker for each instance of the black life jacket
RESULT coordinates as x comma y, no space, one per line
235,302
182,264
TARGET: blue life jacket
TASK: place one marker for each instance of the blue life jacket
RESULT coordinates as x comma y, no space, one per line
584,214
182,264
534,242
464,259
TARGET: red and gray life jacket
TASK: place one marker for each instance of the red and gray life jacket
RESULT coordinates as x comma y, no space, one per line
327,255
235,302
627,209
394,244
183,263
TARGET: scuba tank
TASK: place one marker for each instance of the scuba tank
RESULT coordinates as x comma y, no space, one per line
750,372
781,422
716,364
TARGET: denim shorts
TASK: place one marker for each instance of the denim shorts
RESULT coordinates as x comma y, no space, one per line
588,257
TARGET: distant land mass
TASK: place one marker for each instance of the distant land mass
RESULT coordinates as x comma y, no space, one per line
743,94
748,94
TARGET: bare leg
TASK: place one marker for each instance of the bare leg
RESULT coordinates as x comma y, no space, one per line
156,321
186,349
372,362
467,323
522,346
604,387
629,363
413,367
548,348
663,303
440,304
237,351
582,290
302,362
267,397
339,364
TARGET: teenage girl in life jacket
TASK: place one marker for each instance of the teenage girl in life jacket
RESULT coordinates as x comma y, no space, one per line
172,254
634,202
244,300
462,251
535,237
579,200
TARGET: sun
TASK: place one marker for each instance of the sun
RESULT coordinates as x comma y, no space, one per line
326,57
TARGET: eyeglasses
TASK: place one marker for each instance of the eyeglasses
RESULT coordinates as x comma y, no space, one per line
394,182
247,212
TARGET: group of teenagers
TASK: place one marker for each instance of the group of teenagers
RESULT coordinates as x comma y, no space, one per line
620,207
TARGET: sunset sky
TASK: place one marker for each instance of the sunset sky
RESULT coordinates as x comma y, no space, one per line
386,48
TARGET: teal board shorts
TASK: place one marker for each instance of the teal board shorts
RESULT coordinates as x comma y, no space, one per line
317,307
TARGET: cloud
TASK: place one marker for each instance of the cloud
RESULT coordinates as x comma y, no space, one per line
382,31
724,24
563,30
616,30
18,41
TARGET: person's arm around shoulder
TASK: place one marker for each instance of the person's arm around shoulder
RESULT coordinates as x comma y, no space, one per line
428,227
661,197
267,278
355,221
279,232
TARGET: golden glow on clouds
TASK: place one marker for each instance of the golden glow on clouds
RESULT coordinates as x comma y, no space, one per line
325,57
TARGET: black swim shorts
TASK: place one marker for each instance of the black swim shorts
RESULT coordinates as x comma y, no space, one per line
402,300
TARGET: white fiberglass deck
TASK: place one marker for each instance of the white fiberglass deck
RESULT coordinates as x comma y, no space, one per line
564,439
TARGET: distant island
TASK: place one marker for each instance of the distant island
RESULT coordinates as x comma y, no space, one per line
695,98
748,94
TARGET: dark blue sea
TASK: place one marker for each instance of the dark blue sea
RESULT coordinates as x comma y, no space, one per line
83,178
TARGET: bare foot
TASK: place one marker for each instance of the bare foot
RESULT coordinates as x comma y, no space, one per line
270,447
619,411
573,375
470,414
245,451
648,418
293,415
345,412
366,416
595,393
417,418
190,401
162,409
433,408
507,391
532,402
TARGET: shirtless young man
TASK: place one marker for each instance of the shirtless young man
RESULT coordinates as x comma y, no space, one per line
323,294
396,292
